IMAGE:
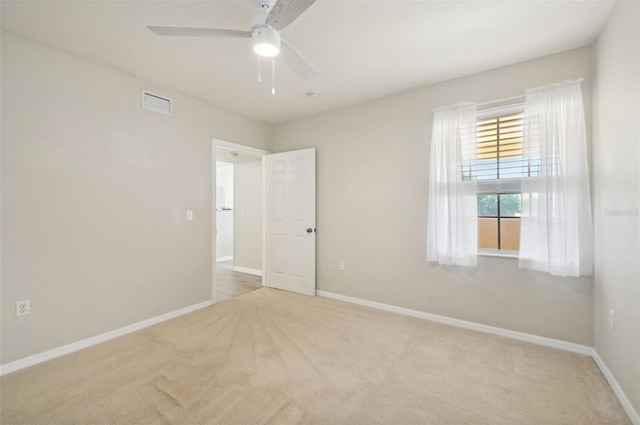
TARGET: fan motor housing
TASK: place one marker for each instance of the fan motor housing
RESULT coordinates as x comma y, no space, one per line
264,3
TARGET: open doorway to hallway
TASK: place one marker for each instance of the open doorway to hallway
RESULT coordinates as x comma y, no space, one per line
238,238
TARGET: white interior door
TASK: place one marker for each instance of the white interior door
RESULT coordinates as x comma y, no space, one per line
290,221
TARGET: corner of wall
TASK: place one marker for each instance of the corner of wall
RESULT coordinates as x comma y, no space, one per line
616,200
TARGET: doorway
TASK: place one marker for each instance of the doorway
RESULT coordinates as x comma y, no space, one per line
237,268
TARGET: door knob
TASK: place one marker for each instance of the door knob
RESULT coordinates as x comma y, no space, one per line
310,230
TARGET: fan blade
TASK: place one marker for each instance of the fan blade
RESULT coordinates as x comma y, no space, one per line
297,62
198,32
284,12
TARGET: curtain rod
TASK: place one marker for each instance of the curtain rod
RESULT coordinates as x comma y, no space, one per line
521,97
440,108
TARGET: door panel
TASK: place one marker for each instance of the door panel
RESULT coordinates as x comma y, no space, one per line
290,209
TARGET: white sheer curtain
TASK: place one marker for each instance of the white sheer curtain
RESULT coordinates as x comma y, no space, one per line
556,230
452,221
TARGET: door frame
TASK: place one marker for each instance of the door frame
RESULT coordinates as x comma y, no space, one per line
219,143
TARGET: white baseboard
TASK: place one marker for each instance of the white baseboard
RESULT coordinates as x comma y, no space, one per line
535,339
225,258
247,270
548,342
622,397
79,345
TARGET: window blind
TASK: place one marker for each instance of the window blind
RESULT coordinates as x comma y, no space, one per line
499,151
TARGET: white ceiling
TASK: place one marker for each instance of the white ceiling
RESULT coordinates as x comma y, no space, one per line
363,49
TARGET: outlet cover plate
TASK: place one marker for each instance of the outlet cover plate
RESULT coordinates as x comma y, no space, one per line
23,308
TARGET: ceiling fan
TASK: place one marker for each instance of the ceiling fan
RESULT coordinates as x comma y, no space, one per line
274,16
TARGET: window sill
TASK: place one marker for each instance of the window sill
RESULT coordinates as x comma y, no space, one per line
498,253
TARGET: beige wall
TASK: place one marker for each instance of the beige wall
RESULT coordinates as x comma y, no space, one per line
247,215
94,197
617,196
372,196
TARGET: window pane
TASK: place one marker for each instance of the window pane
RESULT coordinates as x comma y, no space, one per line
509,205
499,151
513,167
488,205
510,234
488,233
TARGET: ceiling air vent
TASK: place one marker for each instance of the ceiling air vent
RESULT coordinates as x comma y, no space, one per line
156,103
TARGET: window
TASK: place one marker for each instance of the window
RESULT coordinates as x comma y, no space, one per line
498,168
499,221
521,167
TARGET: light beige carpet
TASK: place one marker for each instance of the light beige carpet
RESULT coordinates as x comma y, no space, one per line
272,357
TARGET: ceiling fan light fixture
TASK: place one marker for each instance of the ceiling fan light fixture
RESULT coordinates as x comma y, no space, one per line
266,41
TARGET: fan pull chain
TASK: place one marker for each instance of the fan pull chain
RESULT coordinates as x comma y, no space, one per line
259,75
273,77
259,56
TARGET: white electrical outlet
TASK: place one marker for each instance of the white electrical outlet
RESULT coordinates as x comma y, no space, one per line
612,319
340,265
23,308
189,215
